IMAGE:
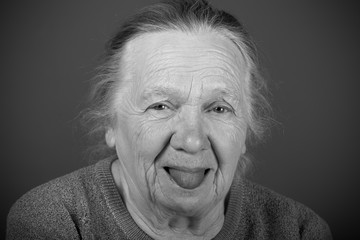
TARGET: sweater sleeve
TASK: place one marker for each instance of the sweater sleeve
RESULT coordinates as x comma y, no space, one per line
39,215
273,216
313,227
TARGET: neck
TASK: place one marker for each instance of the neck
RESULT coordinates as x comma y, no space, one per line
162,223
165,225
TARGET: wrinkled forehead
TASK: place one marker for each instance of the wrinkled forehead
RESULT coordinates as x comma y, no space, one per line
153,55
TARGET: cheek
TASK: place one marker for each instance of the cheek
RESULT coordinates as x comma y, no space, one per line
139,142
228,140
149,138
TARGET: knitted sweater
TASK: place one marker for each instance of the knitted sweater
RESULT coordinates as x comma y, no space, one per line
86,204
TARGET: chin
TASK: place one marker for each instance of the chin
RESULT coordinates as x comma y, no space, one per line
187,206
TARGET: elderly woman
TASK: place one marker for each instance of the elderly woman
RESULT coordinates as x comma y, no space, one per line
176,102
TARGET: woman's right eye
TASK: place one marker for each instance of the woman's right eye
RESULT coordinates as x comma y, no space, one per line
161,110
160,106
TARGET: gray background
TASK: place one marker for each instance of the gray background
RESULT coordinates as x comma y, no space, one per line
49,50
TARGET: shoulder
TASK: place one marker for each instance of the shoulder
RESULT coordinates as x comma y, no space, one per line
49,209
281,216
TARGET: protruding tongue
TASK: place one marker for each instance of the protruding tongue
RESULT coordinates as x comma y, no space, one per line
188,180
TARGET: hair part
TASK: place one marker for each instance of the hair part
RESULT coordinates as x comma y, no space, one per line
181,15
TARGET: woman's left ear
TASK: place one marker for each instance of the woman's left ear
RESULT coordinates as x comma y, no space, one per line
243,150
110,138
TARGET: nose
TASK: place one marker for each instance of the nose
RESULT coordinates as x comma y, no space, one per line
190,135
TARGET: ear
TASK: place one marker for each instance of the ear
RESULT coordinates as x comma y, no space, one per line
110,138
243,150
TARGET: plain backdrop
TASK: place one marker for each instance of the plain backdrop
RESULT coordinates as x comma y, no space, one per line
49,50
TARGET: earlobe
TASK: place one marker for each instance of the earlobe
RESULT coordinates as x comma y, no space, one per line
110,138
243,150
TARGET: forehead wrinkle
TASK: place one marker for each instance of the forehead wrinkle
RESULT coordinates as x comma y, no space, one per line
217,72
163,59
215,48
197,52
161,91
203,56
159,63
159,71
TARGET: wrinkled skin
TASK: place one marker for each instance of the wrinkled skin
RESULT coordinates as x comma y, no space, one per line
179,106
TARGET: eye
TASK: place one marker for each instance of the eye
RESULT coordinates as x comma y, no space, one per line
159,107
161,110
220,109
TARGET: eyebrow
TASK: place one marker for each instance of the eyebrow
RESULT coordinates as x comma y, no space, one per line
159,91
163,91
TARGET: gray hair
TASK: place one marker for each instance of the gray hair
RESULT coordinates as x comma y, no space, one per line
180,15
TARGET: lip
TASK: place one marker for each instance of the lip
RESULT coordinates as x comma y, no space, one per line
186,169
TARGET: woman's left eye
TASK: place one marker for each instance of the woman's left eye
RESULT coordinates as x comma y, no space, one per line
221,109
159,107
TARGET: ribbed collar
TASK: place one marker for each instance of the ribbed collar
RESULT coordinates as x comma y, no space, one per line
233,215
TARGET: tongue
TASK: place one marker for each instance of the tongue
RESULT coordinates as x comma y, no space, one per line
188,180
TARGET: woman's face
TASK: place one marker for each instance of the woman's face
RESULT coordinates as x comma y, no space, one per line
180,120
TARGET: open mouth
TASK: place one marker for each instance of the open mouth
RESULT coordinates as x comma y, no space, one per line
188,179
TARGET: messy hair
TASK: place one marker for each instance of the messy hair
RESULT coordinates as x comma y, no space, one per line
179,15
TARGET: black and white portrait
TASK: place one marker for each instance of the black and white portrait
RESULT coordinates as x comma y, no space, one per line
179,119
